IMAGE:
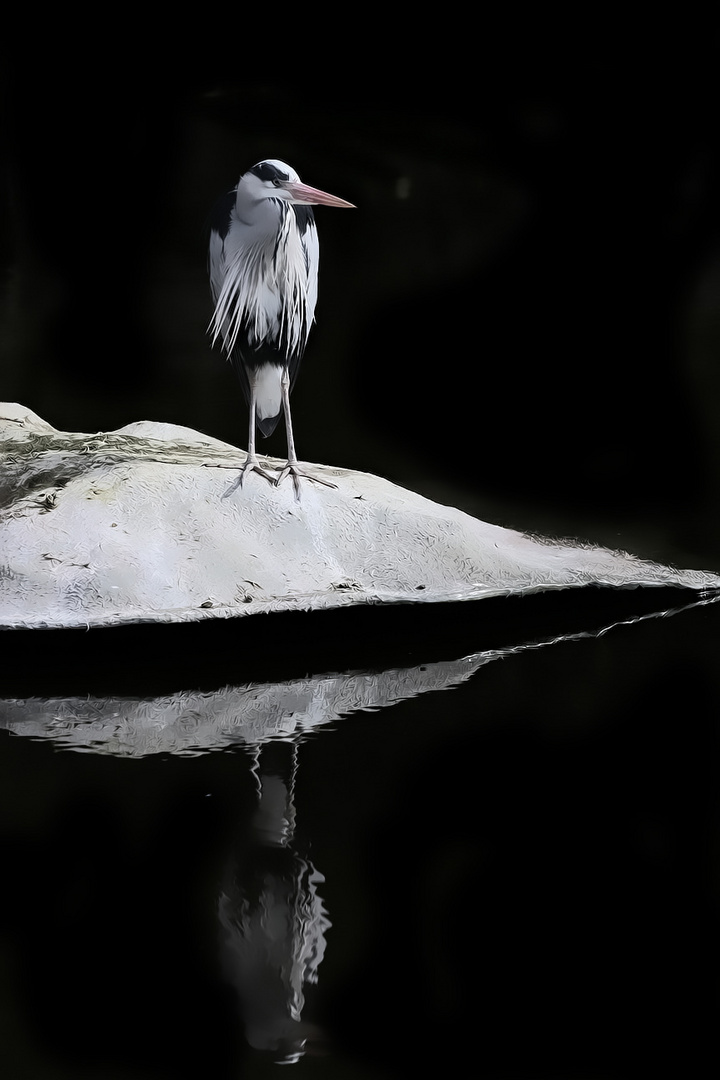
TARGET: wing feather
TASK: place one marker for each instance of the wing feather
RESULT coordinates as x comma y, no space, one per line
264,286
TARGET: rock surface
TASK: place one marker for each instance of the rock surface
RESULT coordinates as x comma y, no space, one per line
149,524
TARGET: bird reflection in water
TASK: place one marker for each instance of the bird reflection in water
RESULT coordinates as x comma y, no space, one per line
272,918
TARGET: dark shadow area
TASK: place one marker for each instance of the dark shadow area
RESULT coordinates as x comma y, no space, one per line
523,304
142,659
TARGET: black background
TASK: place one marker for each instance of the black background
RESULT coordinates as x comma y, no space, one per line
520,318
535,320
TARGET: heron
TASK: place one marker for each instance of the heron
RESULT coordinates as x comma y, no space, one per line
263,266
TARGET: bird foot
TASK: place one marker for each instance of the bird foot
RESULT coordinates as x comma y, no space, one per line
296,472
252,465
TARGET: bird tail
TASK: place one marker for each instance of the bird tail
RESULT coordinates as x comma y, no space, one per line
263,425
266,426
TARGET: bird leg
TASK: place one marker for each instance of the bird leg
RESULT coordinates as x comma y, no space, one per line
292,466
251,461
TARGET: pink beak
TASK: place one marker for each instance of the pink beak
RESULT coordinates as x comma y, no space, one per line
311,196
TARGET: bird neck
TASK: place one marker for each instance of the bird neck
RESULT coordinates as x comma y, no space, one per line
264,215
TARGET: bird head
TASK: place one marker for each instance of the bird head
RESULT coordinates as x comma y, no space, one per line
274,179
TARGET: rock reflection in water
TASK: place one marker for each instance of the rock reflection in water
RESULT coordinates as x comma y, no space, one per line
192,722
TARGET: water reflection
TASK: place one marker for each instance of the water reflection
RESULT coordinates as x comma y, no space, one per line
271,924
272,919
191,722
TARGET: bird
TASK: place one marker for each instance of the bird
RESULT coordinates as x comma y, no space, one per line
263,268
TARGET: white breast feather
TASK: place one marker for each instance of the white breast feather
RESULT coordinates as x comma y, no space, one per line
271,297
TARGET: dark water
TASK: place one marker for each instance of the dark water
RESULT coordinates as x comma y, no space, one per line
380,844
501,862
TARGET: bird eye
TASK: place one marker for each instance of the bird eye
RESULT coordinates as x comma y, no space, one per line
277,183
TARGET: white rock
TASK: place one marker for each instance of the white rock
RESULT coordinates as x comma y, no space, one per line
148,524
